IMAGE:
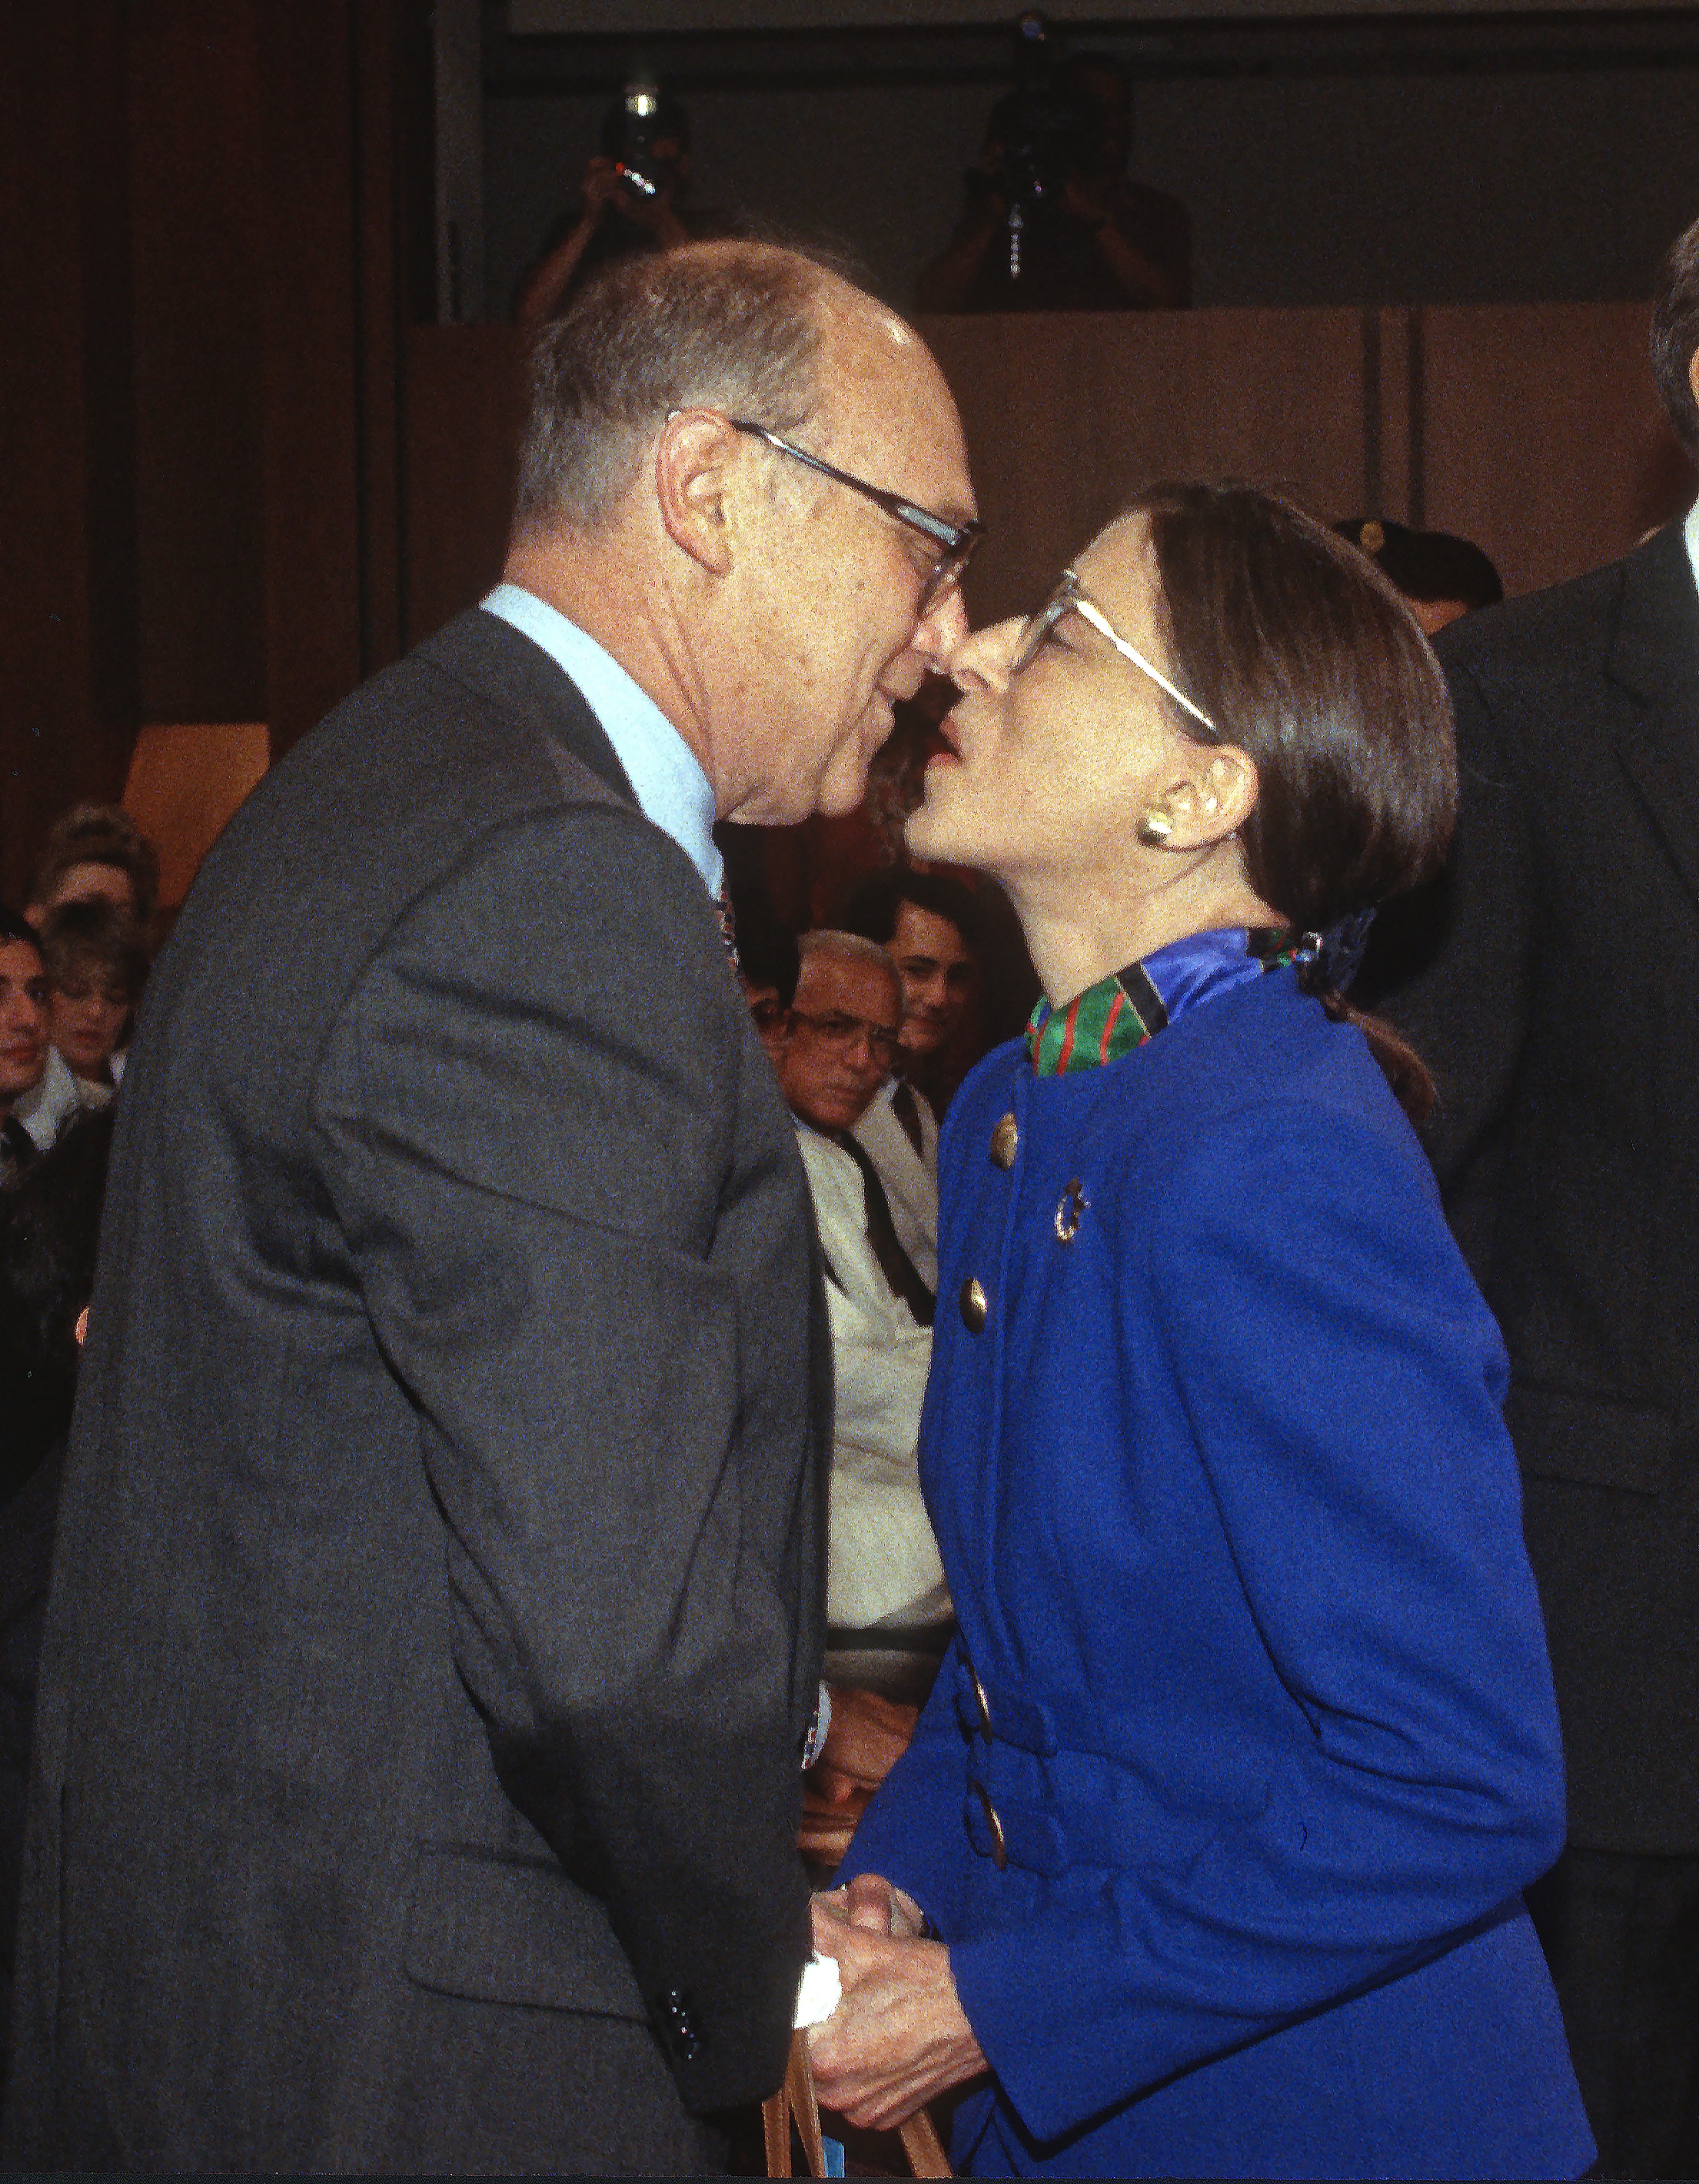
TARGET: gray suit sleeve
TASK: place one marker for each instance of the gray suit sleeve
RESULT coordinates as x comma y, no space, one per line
529,1104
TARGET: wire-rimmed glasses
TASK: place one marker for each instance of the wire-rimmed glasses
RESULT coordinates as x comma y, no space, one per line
1068,598
837,1029
955,541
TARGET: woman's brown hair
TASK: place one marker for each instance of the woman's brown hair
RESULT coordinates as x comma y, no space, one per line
1310,662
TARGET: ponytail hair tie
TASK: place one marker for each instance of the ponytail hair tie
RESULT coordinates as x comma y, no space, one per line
1326,962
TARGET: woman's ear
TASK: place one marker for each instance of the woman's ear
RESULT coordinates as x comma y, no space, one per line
1214,800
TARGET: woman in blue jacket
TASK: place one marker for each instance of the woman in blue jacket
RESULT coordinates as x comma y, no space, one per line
1207,1858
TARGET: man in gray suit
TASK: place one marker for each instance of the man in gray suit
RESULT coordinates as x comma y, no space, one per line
437,1616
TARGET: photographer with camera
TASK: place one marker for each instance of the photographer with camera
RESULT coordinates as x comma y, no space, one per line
629,200
1051,221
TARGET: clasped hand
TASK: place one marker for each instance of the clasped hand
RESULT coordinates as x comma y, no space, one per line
899,2037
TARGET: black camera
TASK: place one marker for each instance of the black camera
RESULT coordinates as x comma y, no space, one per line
642,172
1040,131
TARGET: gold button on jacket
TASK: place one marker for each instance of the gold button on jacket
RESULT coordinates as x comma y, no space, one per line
975,1304
1003,1139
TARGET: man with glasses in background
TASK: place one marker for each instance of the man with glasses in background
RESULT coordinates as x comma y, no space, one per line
436,1626
887,1608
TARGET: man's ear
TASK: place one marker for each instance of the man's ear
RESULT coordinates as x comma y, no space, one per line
695,458
1214,800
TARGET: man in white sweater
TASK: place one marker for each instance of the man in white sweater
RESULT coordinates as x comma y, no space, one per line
885,1586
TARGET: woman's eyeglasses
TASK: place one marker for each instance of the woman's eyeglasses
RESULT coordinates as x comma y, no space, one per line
955,541
1068,598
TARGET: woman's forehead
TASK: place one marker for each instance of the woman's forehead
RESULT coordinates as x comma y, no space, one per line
1119,571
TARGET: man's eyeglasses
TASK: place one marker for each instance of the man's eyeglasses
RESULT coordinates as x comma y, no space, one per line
839,1030
1068,598
955,542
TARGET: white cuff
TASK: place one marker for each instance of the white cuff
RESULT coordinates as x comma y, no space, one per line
818,1729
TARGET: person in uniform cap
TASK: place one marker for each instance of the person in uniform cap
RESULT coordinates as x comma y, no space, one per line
435,1638
1207,1857
1443,577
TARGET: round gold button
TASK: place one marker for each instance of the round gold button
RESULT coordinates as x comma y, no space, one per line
1003,1139
975,1304
999,1849
984,1703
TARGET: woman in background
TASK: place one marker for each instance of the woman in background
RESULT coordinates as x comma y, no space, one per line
1207,1858
96,959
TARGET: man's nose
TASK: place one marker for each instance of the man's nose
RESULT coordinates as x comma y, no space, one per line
941,627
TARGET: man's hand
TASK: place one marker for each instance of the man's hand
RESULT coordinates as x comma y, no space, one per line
867,1737
899,2037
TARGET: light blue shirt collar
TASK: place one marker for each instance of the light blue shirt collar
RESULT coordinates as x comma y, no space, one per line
666,776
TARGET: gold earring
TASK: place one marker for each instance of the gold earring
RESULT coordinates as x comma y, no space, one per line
1156,825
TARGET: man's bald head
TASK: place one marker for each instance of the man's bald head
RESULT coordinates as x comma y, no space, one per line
732,325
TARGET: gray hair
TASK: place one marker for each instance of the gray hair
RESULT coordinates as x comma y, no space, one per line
845,948
735,326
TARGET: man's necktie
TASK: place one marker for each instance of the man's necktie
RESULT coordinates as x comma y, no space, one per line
896,1265
728,923
906,1110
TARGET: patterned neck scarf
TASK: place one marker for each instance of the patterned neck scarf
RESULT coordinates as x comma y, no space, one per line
1127,1011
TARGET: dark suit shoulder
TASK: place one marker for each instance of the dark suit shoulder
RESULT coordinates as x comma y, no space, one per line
472,730
1545,634
442,761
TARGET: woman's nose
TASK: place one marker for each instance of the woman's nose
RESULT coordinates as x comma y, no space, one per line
980,660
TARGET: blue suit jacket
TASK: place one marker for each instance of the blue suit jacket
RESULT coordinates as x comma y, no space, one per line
1233,1527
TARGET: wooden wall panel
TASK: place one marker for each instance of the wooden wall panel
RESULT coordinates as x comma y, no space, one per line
463,402
1543,439
1066,414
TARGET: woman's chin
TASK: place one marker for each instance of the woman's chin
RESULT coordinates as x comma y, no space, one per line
937,830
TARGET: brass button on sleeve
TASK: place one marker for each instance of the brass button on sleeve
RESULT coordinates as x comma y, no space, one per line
1003,1139
999,1849
984,1703
975,1304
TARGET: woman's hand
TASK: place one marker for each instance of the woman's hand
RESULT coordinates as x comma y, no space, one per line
899,2037
873,1903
